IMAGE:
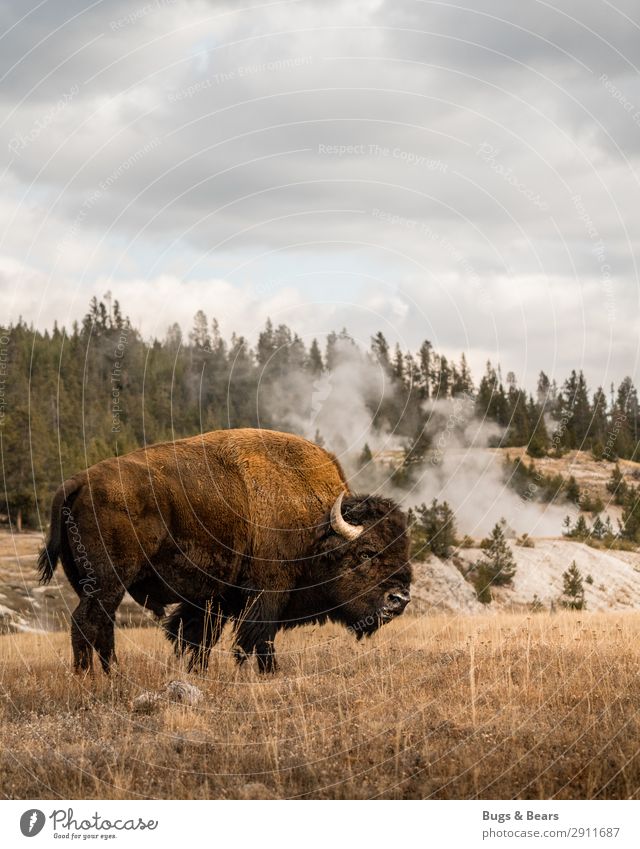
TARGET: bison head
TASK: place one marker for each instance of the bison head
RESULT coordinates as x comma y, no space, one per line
366,547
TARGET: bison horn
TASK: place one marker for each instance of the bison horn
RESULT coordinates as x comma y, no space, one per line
339,523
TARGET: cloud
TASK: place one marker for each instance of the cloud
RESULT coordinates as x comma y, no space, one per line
418,162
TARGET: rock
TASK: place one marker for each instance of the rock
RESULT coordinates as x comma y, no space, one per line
439,587
183,693
256,790
178,692
147,702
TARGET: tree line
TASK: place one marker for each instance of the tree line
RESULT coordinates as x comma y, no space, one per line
71,397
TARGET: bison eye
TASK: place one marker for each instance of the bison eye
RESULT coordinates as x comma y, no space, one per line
367,555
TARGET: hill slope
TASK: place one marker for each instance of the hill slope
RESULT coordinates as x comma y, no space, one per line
439,584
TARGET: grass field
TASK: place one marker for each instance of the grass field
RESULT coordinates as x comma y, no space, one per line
498,706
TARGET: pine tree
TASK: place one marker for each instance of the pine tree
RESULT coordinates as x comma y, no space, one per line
582,413
499,565
543,391
574,407
218,347
331,353
119,321
624,418
441,379
599,424
411,373
424,369
366,456
314,363
519,432
491,400
539,441
482,578
630,521
462,383
398,365
173,339
617,485
199,335
572,490
572,589
579,531
282,361
598,529
266,344
380,350
298,358
433,530
415,452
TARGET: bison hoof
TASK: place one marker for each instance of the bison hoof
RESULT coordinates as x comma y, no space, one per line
240,656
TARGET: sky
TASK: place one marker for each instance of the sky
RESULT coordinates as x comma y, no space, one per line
461,172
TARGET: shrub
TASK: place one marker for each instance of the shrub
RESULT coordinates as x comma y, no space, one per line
529,483
482,579
573,590
433,530
536,606
525,541
572,490
591,503
579,531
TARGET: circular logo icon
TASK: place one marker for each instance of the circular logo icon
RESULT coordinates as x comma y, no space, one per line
32,822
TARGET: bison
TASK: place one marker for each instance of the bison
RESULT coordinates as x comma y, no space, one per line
248,526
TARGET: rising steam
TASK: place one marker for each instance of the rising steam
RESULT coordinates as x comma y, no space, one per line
341,409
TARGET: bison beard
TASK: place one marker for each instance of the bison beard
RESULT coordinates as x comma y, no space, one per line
249,527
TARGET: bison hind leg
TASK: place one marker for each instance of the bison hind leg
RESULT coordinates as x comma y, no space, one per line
195,628
92,627
82,632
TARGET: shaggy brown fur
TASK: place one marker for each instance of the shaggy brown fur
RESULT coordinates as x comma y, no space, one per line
231,525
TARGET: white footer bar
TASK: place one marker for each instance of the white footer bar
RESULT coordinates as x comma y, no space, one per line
321,825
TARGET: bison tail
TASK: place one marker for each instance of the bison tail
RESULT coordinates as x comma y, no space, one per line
47,562
50,554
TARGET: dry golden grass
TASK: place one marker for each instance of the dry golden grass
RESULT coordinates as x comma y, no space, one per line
445,707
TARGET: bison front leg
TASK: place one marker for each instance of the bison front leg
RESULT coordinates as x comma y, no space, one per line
257,628
196,628
266,655
261,641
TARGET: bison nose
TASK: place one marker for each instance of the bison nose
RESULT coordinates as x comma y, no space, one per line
398,599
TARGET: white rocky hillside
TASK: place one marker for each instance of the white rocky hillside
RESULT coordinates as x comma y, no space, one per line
439,584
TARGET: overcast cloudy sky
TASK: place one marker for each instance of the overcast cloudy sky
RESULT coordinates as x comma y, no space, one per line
464,172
